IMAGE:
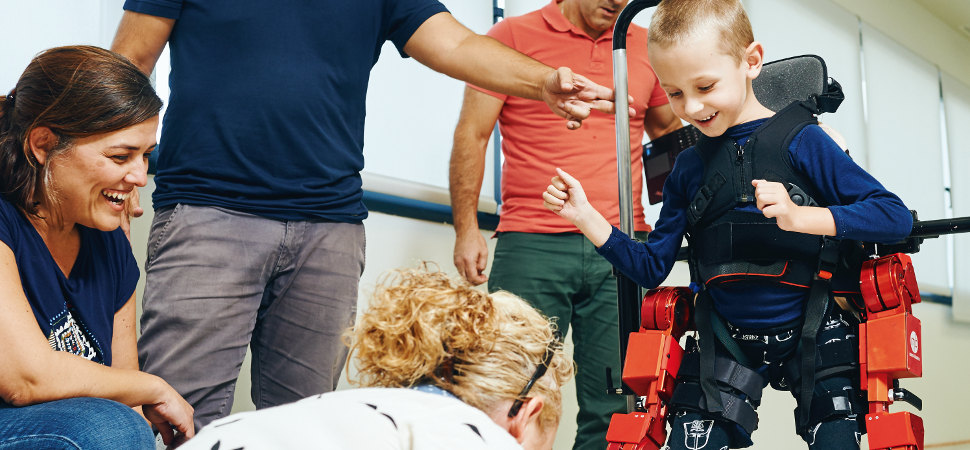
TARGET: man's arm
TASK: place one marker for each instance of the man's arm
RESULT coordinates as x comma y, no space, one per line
142,37
478,114
660,120
446,46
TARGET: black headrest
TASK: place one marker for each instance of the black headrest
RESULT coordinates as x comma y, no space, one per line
795,79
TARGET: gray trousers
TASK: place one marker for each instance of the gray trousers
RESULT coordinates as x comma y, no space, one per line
219,281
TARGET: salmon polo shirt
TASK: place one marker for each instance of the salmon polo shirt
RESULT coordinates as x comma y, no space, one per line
536,141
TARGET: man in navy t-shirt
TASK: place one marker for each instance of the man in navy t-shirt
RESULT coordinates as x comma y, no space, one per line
257,237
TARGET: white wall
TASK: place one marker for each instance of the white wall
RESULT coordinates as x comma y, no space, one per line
35,25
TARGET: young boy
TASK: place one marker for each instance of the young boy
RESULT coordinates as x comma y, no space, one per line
759,278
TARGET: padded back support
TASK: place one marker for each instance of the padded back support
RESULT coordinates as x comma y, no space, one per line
787,80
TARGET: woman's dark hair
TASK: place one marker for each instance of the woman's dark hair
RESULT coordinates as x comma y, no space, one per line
76,91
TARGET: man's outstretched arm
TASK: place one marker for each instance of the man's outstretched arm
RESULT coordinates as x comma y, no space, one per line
446,46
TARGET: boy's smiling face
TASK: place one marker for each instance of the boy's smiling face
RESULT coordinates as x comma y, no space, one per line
707,87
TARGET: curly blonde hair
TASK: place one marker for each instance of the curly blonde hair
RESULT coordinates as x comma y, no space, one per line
423,327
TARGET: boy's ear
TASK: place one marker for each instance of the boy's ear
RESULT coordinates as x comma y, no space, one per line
753,59
41,141
528,416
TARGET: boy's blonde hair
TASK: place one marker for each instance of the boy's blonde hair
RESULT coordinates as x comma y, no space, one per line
423,327
675,21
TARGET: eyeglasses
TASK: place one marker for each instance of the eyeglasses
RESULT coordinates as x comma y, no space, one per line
540,371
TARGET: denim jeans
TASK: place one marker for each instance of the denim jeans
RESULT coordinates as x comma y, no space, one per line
74,423
219,281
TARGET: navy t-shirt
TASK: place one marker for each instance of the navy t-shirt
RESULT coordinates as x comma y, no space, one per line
77,313
266,114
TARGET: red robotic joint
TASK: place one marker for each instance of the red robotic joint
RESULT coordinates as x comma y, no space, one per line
652,360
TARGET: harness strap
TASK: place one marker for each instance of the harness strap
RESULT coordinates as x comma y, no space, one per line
703,198
818,299
704,310
728,373
724,336
711,329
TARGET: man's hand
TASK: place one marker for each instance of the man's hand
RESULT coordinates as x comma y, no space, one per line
132,209
574,96
471,257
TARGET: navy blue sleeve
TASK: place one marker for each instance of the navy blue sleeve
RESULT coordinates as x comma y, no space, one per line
169,9
863,209
6,223
405,16
649,263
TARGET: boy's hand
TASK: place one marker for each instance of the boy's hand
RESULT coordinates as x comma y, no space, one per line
565,196
773,201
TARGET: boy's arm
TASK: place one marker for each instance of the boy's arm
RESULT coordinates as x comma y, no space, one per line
773,200
861,207
648,264
565,197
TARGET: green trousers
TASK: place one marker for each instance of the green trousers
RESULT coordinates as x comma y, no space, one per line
563,277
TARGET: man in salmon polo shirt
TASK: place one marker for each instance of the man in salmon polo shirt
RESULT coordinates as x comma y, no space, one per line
540,256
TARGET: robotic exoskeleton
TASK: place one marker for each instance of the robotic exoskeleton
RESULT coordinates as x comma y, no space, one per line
887,347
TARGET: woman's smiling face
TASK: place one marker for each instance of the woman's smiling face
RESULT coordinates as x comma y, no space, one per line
93,179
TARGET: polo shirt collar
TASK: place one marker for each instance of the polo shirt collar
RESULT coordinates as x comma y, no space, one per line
559,22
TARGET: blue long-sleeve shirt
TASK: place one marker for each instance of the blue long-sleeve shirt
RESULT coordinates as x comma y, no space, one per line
862,208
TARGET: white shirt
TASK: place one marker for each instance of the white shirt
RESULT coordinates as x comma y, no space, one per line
371,418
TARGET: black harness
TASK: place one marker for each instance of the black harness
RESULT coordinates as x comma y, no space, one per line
729,246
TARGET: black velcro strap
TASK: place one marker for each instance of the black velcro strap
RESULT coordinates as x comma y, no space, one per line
727,373
832,404
837,353
753,242
690,396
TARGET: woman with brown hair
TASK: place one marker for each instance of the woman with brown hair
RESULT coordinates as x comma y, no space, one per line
445,366
75,134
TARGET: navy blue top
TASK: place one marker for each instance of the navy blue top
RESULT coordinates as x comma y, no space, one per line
266,114
862,208
77,313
